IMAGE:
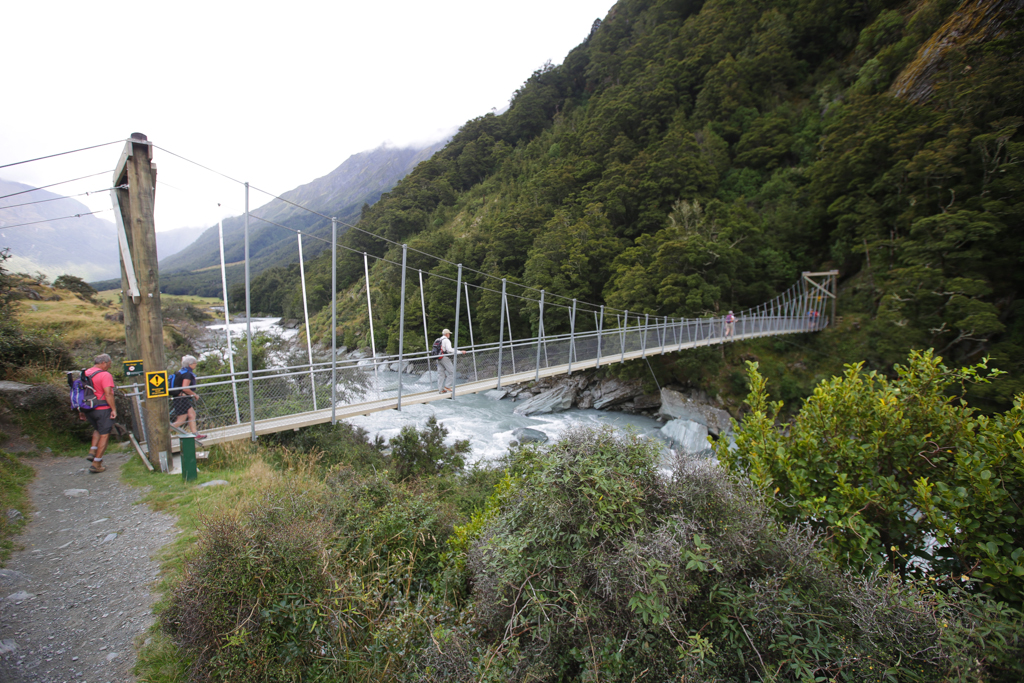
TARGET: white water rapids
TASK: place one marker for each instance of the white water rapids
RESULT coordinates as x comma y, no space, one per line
487,423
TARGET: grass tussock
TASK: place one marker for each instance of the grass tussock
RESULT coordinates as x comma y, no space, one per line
74,320
14,478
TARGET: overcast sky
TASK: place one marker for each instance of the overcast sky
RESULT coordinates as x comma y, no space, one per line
274,93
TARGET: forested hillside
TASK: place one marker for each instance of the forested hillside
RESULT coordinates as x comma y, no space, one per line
690,157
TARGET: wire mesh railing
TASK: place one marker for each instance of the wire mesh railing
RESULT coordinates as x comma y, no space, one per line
278,392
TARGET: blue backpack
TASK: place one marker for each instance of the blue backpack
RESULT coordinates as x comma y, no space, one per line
435,350
83,393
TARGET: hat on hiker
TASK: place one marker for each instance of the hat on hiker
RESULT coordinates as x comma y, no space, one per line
446,331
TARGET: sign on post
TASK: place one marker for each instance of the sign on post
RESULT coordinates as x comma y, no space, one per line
156,384
133,368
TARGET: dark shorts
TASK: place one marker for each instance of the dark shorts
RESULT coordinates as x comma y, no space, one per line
181,404
100,420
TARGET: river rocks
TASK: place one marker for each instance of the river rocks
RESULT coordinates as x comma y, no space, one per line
612,391
553,401
647,402
689,437
527,435
496,394
675,406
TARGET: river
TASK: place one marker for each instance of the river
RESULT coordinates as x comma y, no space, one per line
487,423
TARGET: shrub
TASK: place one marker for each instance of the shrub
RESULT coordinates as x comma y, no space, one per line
297,585
899,473
594,567
417,453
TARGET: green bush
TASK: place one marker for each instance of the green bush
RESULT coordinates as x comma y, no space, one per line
416,453
591,566
898,473
297,586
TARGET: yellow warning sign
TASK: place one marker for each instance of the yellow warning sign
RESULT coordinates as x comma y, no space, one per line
156,384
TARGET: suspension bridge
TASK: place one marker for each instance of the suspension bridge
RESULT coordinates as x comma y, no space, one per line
240,405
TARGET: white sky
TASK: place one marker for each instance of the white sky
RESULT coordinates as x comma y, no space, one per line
274,93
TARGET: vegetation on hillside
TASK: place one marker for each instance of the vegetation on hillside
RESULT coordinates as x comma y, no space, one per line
691,157
586,563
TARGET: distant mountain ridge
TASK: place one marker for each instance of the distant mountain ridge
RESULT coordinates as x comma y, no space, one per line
342,193
85,246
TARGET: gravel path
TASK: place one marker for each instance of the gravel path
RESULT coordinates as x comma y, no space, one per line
74,600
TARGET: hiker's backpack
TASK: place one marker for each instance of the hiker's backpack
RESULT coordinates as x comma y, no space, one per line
435,350
83,393
176,379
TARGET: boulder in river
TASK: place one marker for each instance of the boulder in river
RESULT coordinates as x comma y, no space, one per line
554,401
675,406
527,435
689,437
612,391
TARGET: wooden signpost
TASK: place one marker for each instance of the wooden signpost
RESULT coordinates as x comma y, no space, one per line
133,197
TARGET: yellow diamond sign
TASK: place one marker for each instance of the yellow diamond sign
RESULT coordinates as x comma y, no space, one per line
156,384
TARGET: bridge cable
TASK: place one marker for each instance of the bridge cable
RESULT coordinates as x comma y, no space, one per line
50,220
63,182
60,154
366,232
70,196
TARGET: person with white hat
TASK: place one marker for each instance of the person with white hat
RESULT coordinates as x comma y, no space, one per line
445,367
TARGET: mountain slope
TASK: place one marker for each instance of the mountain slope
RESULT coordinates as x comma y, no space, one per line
691,157
85,247
342,193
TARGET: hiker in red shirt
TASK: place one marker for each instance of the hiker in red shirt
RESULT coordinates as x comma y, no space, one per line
104,413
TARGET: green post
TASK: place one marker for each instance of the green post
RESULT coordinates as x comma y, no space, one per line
188,458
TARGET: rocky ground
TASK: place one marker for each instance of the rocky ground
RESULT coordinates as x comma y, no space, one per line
78,595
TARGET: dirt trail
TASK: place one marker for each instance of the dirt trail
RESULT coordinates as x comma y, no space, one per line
76,597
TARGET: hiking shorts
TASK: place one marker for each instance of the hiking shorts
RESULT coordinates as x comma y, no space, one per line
100,420
180,405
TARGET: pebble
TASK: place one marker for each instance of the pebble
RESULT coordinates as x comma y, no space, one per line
76,493
213,482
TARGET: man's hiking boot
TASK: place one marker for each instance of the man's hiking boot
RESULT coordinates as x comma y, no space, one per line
96,469
200,437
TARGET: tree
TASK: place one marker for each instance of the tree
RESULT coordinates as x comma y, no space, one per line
77,285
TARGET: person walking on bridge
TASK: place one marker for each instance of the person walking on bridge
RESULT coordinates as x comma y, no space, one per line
445,366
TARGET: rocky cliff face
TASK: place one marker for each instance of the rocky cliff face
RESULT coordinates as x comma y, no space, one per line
977,21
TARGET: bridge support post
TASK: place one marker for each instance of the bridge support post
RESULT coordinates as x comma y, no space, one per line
643,342
472,344
140,281
334,321
369,316
227,323
501,330
423,309
305,313
625,328
572,335
540,335
458,310
401,327
600,332
248,323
